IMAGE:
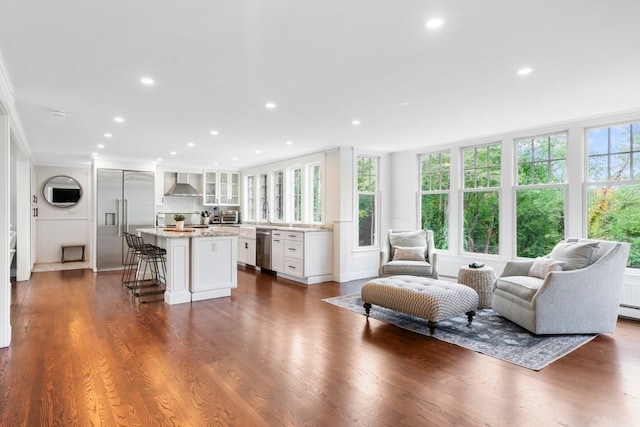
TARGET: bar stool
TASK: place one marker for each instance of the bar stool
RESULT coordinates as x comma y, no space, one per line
130,261
154,260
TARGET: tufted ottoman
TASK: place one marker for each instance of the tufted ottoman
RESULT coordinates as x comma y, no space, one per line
423,297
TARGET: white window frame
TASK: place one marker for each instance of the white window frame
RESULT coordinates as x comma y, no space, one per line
250,198
447,192
487,189
537,186
376,211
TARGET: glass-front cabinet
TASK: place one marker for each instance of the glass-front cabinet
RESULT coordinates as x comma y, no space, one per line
221,188
210,186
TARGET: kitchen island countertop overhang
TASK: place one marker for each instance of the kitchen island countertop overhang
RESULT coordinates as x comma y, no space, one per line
201,263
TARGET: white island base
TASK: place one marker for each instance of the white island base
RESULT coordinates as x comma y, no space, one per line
201,264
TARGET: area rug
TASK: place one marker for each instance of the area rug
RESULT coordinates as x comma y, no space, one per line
489,334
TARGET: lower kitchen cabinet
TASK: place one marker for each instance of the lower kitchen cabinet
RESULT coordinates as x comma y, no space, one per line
247,251
247,245
213,267
304,256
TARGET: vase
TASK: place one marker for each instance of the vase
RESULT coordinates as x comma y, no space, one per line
205,220
179,225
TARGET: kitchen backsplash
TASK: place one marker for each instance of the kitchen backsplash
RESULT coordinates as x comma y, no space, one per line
186,205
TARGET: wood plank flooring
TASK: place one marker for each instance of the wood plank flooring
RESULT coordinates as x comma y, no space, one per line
274,354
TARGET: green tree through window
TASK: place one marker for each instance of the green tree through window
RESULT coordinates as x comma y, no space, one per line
613,199
367,187
435,181
540,194
481,198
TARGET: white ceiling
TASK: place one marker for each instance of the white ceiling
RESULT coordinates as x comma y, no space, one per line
323,62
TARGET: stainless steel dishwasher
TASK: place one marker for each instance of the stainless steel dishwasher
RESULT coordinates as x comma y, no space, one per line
263,248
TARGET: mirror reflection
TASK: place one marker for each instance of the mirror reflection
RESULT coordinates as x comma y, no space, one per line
62,191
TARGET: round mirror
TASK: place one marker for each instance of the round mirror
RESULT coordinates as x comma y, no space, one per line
62,191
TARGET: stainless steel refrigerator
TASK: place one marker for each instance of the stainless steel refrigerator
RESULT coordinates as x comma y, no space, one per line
125,203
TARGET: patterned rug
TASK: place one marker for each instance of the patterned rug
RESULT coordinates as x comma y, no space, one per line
489,334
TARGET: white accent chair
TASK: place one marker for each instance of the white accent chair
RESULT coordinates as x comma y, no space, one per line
410,253
582,298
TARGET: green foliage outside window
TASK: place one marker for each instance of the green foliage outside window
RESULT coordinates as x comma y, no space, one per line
367,188
482,169
540,209
614,214
435,217
613,205
481,222
540,217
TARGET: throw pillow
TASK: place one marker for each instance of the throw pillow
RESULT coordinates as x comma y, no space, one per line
576,254
541,266
408,253
408,239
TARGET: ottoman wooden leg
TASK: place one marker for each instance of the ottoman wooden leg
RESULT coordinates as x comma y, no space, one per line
470,315
432,326
367,307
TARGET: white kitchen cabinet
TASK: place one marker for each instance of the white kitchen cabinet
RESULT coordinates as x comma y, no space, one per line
277,251
247,245
304,256
221,188
213,266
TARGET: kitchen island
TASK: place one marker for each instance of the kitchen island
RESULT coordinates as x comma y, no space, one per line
201,263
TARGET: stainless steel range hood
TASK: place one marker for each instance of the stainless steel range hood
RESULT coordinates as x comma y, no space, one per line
182,187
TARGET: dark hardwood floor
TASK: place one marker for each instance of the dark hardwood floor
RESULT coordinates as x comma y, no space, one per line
274,354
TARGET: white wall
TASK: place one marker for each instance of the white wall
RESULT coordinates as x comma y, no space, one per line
56,226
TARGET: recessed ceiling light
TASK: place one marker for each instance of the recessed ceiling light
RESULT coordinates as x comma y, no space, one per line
434,23
147,81
95,154
270,105
524,71
118,119
107,135
289,143
215,164
214,132
173,153
258,151
159,159
355,122
190,144
100,145
234,158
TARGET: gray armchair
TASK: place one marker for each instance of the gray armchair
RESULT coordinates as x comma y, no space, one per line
582,298
409,252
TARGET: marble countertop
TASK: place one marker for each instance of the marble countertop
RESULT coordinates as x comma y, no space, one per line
189,232
285,228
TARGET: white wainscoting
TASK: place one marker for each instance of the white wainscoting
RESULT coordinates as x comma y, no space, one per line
53,233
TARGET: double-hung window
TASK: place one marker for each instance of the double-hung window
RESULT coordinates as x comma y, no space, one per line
481,198
250,211
435,183
278,195
264,197
316,192
613,189
296,180
540,193
367,189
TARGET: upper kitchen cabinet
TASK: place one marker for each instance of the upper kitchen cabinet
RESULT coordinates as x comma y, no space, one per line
221,188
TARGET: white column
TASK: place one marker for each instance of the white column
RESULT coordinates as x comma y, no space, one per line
5,283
